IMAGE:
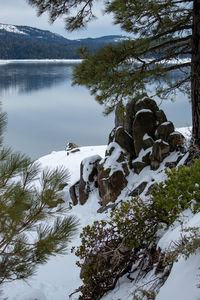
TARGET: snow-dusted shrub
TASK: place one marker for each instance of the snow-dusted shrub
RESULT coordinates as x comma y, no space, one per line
180,191
141,294
110,248
188,243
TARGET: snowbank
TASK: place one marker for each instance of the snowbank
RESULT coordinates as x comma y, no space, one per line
60,276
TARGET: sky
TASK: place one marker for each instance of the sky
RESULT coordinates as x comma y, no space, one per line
18,12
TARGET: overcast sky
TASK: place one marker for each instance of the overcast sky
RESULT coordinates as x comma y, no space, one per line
18,12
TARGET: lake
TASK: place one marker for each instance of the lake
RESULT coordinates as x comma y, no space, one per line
45,112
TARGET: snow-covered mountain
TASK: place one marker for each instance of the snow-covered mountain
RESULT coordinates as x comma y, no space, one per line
25,42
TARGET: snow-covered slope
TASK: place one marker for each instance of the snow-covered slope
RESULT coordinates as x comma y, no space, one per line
11,28
60,276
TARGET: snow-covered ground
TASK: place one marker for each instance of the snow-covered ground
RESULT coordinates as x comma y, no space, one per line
57,279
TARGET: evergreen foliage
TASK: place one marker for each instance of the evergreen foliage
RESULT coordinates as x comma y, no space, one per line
162,32
180,191
33,225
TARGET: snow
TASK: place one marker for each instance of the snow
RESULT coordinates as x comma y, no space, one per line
144,110
58,278
11,28
166,123
88,165
182,281
146,136
121,39
71,162
110,162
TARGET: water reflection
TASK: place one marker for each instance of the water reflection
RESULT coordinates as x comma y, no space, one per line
22,78
45,111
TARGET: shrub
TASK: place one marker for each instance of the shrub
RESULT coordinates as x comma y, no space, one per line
180,191
109,248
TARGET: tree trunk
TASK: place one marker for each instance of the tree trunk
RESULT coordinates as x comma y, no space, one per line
195,73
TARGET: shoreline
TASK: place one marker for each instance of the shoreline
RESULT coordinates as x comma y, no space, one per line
8,61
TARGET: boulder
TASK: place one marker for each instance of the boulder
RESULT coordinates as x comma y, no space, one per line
175,139
74,194
146,157
70,146
138,166
88,177
144,123
129,115
146,103
160,150
154,164
164,130
160,116
112,173
147,141
119,115
110,185
139,189
125,140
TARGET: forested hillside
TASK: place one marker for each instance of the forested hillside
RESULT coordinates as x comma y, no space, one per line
24,42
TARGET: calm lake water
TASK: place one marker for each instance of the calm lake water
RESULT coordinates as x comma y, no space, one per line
45,112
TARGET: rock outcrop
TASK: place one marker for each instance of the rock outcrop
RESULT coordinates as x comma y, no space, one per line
112,173
80,191
142,137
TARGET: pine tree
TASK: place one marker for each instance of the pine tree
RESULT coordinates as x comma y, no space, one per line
33,222
163,31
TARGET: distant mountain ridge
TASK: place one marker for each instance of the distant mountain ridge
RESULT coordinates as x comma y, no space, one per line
25,42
